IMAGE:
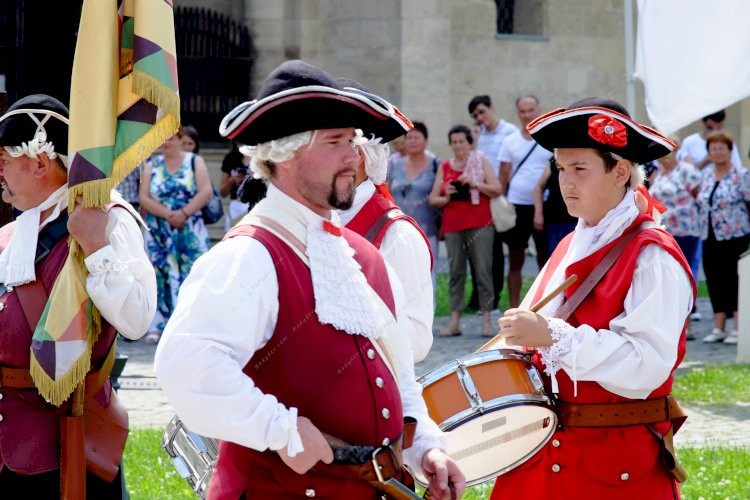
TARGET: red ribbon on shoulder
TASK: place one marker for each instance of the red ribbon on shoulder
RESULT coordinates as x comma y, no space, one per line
652,202
607,130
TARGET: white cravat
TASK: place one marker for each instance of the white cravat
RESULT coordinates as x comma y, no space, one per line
17,259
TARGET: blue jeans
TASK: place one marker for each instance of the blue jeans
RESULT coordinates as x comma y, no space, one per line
556,232
689,247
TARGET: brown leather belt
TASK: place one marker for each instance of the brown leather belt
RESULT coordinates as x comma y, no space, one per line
20,378
649,411
15,378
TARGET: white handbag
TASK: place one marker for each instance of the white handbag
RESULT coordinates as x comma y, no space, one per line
503,213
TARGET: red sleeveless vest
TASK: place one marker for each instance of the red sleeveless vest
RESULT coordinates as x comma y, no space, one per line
606,462
334,378
30,429
370,215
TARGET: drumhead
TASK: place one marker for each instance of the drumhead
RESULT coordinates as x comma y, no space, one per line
496,442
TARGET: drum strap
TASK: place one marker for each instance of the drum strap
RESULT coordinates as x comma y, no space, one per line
570,305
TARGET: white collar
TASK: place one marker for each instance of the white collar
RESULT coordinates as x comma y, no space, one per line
17,259
362,195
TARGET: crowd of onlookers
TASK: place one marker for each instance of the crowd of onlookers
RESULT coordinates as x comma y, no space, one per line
703,186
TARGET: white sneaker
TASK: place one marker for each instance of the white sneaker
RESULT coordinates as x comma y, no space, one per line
696,316
732,338
716,335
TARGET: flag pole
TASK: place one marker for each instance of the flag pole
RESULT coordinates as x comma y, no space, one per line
629,60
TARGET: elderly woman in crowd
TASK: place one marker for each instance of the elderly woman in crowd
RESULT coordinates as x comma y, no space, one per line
676,184
463,188
723,198
410,179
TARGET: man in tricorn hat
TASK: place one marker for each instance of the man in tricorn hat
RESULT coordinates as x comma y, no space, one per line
288,341
121,284
609,345
399,238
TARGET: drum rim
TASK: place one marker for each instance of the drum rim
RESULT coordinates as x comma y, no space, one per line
473,359
473,482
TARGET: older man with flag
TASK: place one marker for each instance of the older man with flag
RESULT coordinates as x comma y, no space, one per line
120,283
62,433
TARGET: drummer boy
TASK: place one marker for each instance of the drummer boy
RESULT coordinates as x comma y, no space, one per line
611,359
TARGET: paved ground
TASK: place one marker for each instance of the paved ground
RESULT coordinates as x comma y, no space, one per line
707,426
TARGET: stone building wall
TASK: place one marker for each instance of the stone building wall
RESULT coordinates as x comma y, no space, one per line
431,56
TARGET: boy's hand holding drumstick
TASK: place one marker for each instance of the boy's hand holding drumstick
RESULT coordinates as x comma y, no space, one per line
526,328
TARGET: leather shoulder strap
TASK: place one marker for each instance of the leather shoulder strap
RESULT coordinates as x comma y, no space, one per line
601,269
381,223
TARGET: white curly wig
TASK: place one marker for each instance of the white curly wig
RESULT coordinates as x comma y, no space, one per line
264,155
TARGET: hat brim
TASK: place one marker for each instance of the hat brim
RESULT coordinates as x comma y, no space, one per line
311,108
571,128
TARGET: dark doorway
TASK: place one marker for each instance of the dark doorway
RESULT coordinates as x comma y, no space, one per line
215,57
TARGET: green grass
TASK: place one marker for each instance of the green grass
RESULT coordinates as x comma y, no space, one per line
720,473
712,472
443,301
714,384
149,473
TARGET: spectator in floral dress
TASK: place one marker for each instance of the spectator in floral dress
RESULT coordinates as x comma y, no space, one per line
175,188
723,198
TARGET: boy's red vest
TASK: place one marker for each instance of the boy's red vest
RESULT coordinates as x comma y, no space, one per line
611,462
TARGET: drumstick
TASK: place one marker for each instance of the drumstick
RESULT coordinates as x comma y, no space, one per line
545,300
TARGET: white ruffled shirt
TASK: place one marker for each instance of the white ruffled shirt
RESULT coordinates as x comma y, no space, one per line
636,354
406,251
227,310
121,280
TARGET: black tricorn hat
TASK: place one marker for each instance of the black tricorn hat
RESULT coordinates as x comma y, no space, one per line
297,97
36,116
603,124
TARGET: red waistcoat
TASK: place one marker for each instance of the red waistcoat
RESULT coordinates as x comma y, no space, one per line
611,462
329,375
372,211
30,427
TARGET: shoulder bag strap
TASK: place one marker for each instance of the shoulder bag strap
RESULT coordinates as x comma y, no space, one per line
522,162
600,270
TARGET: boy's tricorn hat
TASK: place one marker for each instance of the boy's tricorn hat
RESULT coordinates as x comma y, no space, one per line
297,97
39,117
602,124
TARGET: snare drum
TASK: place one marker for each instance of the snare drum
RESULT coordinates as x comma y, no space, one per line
494,408
194,456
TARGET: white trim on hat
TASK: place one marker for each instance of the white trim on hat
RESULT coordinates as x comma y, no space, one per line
237,117
551,117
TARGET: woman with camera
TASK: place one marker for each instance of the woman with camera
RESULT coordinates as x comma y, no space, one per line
463,188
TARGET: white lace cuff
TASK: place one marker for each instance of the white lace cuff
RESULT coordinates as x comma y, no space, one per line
563,342
102,261
294,443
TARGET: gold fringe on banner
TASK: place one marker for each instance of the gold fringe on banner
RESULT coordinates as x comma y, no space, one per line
58,391
156,93
157,135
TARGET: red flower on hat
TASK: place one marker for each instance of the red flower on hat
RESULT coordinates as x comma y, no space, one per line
608,130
